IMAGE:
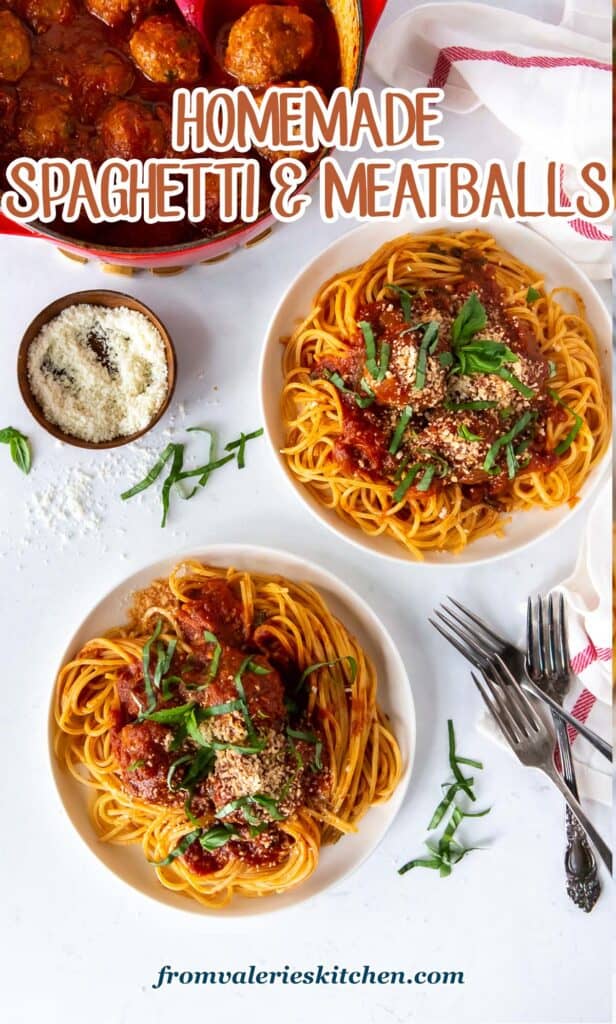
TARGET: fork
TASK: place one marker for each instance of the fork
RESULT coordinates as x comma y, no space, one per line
476,641
548,665
529,738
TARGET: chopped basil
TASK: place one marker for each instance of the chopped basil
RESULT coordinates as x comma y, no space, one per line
330,664
217,836
139,763
467,434
406,300
515,383
532,294
19,447
401,426
471,318
504,440
406,482
308,737
177,473
145,660
245,803
567,441
363,403
370,345
484,356
215,662
426,477
428,344
512,465
551,368
247,666
445,358
180,849
444,854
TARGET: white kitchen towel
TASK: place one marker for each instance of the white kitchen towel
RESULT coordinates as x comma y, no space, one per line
548,84
588,597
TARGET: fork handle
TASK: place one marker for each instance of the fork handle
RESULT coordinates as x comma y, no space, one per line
601,745
601,846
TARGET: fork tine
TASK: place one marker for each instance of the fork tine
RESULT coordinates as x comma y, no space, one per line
563,639
541,635
510,724
464,651
516,694
483,626
501,679
531,658
552,634
463,631
494,707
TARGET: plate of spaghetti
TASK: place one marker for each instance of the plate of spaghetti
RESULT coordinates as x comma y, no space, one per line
237,725
433,385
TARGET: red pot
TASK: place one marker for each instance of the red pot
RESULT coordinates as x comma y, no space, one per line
365,14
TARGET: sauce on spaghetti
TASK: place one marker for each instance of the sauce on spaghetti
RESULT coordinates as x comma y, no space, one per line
218,723
443,385
94,79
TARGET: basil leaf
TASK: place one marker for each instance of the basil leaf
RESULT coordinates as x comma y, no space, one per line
167,683
243,438
420,862
363,403
174,475
406,482
471,318
217,836
406,300
467,434
512,466
426,477
370,346
19,447
428,344
153,475
180,849
139,763
454,761
215,663
515,383
384,355
532,294
169,716
445,358
330,664
518,427
445,804
145,660
567,441
400,428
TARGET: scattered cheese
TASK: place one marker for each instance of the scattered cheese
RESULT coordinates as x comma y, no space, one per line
98,373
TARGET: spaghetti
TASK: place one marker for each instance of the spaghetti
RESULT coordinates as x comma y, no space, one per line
232,729
438,387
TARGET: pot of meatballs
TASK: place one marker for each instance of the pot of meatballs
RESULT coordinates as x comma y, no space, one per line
94,79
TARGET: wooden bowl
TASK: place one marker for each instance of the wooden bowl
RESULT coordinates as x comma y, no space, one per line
112,300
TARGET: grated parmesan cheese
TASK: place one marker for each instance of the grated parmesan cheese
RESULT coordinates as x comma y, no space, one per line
98,373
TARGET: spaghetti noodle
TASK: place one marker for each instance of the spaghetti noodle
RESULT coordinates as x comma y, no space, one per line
232,729
438,387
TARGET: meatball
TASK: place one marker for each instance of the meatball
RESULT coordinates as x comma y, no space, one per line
115,12
42,14
400,384
15,52
463,440
166,51
530,373
269,43
46,123
108,75
142,751
131,130
9,105
295,154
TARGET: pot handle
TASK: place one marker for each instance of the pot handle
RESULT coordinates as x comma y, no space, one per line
12,227
372,11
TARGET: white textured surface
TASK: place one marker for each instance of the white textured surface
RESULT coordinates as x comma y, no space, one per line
77,944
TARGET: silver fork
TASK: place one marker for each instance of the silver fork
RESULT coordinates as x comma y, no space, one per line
548,665
476,641
529,738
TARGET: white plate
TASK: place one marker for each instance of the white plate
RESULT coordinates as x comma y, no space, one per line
336,862
526,526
